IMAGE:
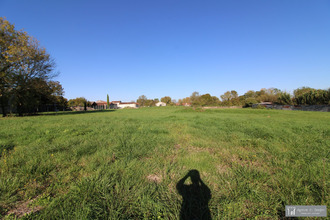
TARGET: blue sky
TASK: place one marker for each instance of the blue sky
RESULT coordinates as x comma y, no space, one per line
128,48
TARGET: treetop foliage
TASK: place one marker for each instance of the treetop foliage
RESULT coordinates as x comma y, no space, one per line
26,70
167,100
145,102
80,101
302,96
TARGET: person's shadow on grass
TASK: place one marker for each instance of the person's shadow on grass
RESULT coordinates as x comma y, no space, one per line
196,197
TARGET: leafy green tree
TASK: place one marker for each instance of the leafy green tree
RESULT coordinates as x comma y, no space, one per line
108,103
229,95
230,98
150,102
310,96
166,100
300,91
63,102
226,96
241,100
233,94
284,98
268,95
80,101
142,100
194,98
22,63
184,100
250,101
236,102
250,94
261,92
50,93
57,93
264,95
206,100
7,38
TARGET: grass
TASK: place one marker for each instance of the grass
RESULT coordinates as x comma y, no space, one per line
127,164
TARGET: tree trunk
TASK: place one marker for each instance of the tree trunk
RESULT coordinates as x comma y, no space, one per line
3,106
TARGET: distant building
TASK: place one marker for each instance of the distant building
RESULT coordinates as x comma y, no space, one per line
99,105
183,104
265,104
160,104
127,105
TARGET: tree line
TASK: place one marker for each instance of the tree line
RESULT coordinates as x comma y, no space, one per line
27,86
26,73
300,96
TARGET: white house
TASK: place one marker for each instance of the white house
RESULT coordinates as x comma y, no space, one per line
127,105
114,105
160,104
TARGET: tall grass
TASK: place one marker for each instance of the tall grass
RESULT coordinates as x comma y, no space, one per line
126,164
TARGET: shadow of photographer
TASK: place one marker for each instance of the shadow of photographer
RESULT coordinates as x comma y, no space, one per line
196,197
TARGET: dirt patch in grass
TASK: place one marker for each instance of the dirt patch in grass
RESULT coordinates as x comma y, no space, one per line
24,208
246,162
222,168
154,178
255,164
177,147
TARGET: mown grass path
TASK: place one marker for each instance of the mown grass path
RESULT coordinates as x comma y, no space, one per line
126,164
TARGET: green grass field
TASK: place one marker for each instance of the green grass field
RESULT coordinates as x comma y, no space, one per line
127,164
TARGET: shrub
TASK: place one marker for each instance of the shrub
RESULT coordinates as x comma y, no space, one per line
284,99
249,102
260,107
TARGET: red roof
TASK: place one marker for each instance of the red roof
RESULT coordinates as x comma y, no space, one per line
101,103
